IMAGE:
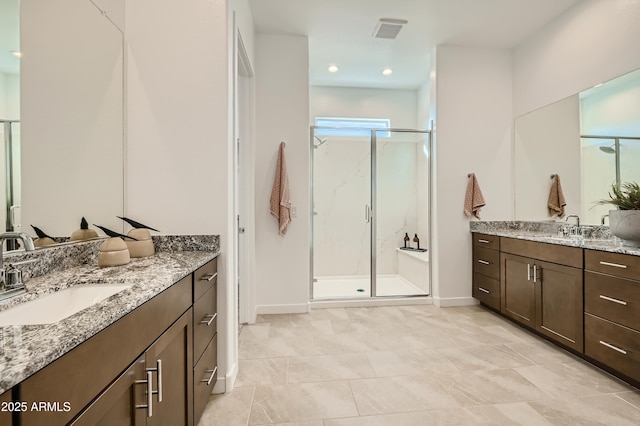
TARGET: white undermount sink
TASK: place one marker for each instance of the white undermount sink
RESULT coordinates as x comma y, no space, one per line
57,306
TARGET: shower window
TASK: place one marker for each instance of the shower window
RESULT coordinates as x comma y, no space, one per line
340,126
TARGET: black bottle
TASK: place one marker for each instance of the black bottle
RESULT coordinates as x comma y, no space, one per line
406,239
417,241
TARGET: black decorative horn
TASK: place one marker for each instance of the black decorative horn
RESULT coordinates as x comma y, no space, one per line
111,233
136,225
40,233
84,224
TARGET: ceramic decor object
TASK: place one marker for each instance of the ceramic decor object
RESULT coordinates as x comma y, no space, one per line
84,233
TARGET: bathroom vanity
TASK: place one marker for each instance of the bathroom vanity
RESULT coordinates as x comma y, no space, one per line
146,355
583,294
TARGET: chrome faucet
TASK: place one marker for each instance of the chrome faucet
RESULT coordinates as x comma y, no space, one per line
28,246
573,215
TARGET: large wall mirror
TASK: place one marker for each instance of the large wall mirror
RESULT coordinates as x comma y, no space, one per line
591,140
63,150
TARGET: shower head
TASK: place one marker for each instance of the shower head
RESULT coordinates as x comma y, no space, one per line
608,149
320,141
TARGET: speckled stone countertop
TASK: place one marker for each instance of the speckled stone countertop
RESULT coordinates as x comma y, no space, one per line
25,349
595,237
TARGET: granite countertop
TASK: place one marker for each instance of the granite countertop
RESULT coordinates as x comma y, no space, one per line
597,237
25,349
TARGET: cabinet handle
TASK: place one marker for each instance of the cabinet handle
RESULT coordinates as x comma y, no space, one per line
150,393
615,348
213,374
484,262
209,277
535,273
484,241
159,368
484,290
611,299
615,265
528,272
208,323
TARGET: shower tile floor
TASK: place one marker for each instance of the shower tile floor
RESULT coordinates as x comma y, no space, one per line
412,365
359,286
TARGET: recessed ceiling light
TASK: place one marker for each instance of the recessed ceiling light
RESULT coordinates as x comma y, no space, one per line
16,53
387,71
333,68
598,85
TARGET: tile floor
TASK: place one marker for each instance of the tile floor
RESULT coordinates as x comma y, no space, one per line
413,365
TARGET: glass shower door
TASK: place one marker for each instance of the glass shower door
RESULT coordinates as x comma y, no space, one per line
342,215
401,203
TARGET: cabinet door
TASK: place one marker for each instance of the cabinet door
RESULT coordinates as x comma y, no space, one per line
172,384
6,413
518,292
117,404
559,306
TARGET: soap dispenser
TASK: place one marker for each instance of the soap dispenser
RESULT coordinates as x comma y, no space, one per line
142,244
406,239
417,241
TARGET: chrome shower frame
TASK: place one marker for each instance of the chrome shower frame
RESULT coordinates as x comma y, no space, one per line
373,200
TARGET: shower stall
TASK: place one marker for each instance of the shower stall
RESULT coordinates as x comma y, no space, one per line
10,134
370,188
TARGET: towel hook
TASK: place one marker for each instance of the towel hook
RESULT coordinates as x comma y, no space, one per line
552,176
469,175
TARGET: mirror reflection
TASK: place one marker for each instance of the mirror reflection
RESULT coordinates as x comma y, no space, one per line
591,139
63,150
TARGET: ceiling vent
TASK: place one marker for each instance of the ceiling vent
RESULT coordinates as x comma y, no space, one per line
388,28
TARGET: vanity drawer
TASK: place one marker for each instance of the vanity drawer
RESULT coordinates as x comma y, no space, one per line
621,265
613,345
486,262
486,290
553,253
487,241
205,320
204,278
612,298
204,378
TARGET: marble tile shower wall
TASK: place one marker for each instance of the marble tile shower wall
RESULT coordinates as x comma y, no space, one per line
69,255
342,170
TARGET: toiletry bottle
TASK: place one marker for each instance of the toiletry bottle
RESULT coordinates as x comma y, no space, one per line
417,241
406,239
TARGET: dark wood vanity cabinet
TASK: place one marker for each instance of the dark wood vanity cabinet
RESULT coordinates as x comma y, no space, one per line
205,348
541,293
7,409
486,269
612,311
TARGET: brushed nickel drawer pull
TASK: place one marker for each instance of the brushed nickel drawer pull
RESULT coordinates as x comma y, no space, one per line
611,299
528,272
615,265
150,393
484,241
213,374
535,273
484,290
208,277
208,323
159,369
484,262
610,346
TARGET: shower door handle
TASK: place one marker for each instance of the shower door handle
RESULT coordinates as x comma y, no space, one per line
367,213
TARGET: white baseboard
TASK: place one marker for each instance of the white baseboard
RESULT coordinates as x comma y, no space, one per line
299,308
446,302
226,384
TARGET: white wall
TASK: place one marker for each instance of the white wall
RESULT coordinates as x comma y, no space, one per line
473,116
282,114
178,158
592,42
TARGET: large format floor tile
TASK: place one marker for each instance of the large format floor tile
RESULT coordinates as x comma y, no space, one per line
412,365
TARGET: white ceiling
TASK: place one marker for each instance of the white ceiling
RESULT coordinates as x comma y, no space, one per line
340,32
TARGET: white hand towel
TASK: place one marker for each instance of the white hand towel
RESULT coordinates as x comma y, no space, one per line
280,202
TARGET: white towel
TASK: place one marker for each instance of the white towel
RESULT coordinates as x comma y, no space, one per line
280,202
